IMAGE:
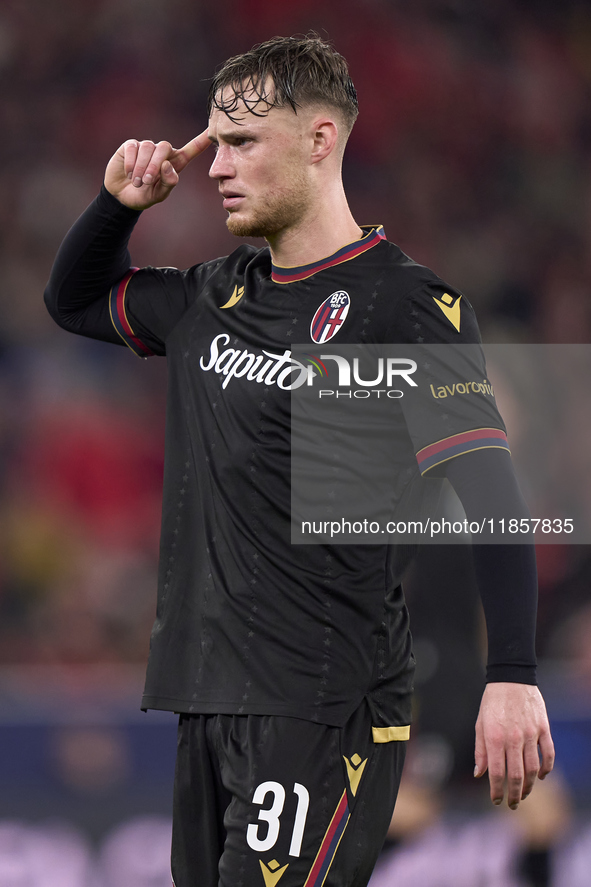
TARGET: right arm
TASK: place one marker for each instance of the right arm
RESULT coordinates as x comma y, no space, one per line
94,255
91,259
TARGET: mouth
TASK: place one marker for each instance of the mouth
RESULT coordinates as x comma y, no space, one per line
231,200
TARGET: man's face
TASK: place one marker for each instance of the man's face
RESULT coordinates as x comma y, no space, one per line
262,168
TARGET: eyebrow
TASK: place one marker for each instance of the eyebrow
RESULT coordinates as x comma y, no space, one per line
234,134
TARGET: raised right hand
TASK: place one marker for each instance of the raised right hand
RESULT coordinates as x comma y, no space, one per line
141,174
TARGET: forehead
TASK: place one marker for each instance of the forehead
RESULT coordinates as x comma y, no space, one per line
250,111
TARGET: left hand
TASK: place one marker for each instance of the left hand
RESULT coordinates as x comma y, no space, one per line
511,725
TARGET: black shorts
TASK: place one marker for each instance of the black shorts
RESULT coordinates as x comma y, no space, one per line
265,800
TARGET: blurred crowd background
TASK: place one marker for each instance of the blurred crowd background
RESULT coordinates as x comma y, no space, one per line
473,148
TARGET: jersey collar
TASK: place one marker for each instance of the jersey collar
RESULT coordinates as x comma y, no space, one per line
373,235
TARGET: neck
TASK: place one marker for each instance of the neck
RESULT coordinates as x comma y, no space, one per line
325,228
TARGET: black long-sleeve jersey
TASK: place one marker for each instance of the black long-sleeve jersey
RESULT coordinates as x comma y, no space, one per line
248,623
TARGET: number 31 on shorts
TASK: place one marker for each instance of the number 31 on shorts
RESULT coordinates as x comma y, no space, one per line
261,838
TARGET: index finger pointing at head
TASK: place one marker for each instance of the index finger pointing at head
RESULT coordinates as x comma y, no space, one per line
183,156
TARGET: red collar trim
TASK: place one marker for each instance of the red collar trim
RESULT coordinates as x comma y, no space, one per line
345,254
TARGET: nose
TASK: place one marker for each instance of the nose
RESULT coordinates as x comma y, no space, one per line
222,167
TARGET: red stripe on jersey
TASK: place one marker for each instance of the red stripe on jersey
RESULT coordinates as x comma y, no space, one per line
458,444
301,272
463,437
123,326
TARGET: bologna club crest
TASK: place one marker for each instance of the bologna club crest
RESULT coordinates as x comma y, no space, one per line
329,317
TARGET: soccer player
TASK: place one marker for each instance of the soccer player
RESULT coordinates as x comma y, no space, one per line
290,665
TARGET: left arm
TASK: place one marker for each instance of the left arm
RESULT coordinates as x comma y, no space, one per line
512,723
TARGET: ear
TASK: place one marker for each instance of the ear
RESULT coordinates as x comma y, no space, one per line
325,136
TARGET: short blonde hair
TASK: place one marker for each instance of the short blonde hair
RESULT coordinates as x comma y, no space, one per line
283,72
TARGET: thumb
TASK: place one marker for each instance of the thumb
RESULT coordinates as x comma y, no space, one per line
169,177
166,182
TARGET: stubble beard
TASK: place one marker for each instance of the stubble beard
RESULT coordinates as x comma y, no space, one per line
278,214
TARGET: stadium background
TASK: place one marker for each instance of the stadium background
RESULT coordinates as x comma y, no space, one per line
473,149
